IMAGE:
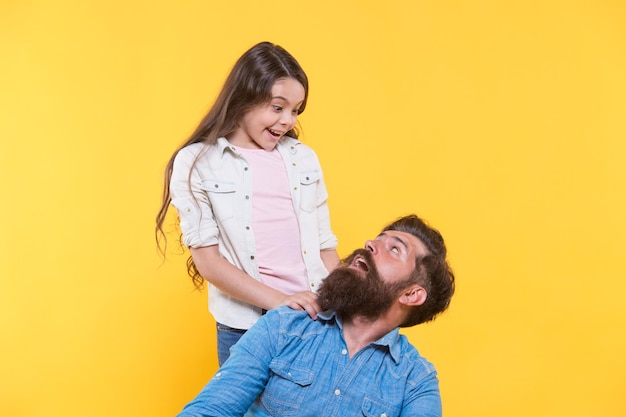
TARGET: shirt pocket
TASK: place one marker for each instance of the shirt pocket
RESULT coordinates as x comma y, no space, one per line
308,190
221,195
286,388
375,407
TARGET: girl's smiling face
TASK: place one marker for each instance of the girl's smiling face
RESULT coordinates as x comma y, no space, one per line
264,125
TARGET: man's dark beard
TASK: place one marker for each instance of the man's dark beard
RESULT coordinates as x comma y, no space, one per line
350,294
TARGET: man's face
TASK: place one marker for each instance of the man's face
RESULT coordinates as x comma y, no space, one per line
373,277
394,254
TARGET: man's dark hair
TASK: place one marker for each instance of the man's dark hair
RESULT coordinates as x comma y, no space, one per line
432,271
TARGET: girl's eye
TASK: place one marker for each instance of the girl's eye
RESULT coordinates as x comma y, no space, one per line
277,108
296,112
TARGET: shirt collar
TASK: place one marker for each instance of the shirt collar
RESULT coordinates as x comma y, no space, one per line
391,339
286,144
223,145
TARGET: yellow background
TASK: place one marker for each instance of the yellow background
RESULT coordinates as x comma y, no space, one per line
501,122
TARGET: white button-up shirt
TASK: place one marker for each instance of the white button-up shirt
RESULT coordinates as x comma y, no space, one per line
211,189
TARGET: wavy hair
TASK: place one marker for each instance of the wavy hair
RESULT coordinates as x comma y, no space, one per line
248,85
432,271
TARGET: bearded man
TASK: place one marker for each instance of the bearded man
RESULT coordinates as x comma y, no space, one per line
351,360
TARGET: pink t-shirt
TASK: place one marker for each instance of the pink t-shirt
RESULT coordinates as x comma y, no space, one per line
274,222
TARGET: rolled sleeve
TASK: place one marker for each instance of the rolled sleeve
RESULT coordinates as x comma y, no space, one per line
197,222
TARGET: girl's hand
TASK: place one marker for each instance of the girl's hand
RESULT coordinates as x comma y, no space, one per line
304,300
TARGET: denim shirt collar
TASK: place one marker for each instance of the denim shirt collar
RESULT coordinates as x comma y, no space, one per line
391,339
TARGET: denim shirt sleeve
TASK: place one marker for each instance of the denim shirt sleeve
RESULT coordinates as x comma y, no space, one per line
241,379
424,398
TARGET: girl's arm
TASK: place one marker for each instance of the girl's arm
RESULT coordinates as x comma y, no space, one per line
330,258
236,283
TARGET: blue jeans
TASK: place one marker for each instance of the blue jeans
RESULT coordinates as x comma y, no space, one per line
226,337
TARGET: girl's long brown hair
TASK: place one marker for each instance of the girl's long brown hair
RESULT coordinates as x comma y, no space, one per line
248,85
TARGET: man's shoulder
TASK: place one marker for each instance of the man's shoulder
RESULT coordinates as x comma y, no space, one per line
412,360
285,311
294,322
286,314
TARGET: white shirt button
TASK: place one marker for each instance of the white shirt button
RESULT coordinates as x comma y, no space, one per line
343,351
337,392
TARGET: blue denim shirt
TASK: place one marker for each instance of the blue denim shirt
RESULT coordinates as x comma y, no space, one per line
290,365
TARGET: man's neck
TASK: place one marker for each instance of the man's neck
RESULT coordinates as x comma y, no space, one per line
359,332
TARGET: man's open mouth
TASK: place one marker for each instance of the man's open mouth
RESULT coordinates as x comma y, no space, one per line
360,263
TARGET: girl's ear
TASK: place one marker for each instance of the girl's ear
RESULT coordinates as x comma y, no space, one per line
414,295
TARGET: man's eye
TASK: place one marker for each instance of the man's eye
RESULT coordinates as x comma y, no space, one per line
395,249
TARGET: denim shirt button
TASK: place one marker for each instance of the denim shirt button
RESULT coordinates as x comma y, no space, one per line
343,351
337,392
383,415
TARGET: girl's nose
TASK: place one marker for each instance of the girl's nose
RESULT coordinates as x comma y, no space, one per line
288,119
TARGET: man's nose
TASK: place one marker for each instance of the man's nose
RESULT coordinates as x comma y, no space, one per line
370,245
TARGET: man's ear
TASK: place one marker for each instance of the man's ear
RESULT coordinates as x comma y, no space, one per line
414,295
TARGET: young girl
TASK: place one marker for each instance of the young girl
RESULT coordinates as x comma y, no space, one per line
251,198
